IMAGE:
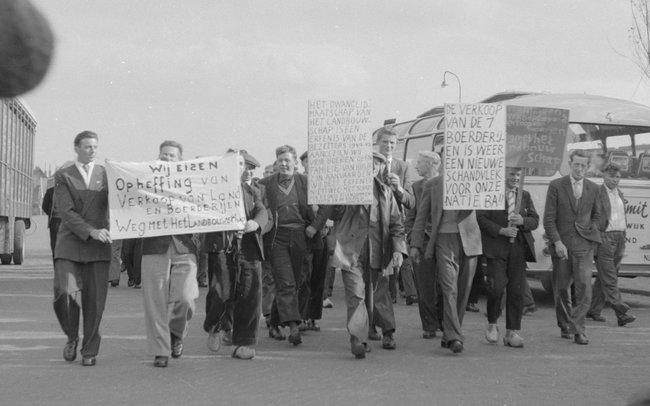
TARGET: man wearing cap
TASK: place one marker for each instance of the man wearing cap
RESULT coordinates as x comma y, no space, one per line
508,245
234,272
169,283
612,226
454,242
369,239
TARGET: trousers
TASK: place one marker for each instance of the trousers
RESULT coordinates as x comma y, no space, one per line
81,286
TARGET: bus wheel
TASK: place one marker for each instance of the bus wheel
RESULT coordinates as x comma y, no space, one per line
19,242
5,259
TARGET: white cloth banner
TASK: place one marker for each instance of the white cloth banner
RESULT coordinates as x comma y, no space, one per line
156,198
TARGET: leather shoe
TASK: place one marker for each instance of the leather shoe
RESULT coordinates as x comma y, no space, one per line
88,361
243,352
472,307
580,339
312,325
160,361
295,337
388,342
358,348
275,333
513,339
214,339
427,335
492,333
70,350
455,346
177,346
373,335
564,333
596,317
625,319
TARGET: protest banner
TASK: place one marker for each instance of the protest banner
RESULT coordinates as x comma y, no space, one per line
155,198
536,137
340,152
474,157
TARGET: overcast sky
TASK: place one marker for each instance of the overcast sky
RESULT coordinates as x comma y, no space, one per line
216,74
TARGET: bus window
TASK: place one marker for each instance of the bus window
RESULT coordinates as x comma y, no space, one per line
415,145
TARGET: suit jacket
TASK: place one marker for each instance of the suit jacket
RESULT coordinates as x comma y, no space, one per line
566,218
82,209
418,188
491,221
407,176
606,207
350,231
251,242
431,207
272,190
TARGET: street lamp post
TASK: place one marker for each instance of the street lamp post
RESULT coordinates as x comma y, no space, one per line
444,82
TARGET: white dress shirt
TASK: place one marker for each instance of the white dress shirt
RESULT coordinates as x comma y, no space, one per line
85,175
617,217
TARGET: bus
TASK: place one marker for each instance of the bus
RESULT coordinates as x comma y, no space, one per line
609,129
17,135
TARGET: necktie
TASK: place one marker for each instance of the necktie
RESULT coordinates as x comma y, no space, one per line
577,190
512,198
86,168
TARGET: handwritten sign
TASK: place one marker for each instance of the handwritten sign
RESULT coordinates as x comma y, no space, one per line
340,152
474,157
155,198
536,137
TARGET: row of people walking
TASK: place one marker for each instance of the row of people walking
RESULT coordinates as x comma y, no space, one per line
405,229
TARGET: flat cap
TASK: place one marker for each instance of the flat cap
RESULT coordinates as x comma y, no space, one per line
249,159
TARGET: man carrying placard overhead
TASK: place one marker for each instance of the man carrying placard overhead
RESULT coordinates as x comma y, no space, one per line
454,242
508,245
369,240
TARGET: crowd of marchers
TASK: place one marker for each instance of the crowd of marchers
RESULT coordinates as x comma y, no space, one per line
282,264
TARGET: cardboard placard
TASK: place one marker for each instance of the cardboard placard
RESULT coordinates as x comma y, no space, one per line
340,152
536,137
474,157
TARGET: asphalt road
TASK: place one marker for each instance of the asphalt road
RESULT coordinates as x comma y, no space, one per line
549,370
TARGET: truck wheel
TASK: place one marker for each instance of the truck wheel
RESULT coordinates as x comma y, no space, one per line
19,242
547,283
5,259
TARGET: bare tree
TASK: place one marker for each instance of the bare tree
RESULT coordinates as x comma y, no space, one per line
640,34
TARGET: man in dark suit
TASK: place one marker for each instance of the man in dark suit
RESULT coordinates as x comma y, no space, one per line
234,272
612,226
427,165
399,177
454,242
82,253
508,245
169,283
571,216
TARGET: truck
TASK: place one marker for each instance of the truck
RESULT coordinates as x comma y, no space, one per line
17,136
609,129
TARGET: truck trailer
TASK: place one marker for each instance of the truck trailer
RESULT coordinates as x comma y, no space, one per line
17,133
